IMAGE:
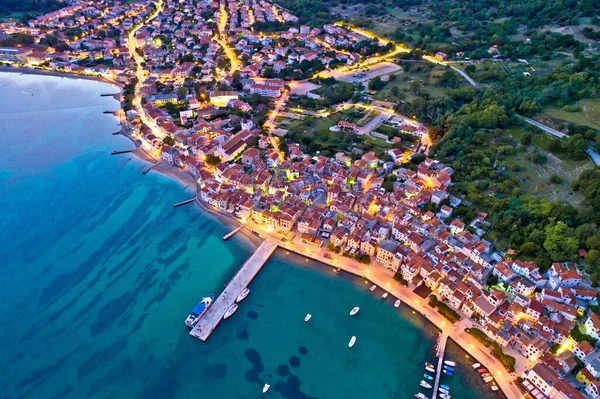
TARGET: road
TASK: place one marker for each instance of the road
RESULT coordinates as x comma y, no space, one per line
374,123
545,128
467,77
140,73
594,155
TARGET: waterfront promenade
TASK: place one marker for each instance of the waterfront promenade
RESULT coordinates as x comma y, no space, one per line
240,280
442,348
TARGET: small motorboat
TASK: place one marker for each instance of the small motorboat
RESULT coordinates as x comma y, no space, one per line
266,388
442,390
476,365
482,370
397,303
488,379
449,363
429,365
372,288
448,372
308,316
352,342
242,295
430,369
494,387
425,384
430,378
354,310
446,387
230,311
385,295
421,396
448,368
445,396
484,375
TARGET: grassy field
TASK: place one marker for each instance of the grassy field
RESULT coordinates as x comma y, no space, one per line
403,81
588,116
533,178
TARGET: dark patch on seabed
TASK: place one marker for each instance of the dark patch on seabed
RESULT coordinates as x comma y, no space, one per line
215,371
145,277
130,259
38,376
294,361
165,386
101,357
303,350
115,375
252,315
283,370
69,280
243,335
167,243
64,393
174,256
111,311
291,388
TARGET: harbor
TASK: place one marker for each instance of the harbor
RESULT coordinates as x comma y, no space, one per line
213,316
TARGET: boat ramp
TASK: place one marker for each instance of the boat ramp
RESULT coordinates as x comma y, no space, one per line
210,320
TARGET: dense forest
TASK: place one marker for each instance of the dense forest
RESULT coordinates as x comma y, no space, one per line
8,7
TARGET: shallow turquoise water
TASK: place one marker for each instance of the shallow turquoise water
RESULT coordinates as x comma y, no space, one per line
99,271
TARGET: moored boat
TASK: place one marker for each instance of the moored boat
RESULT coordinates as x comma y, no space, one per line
476,365
198,311
429,365
484,375
442,390
266,388
448,372
430,369
308,316
230,311
482,370
425,384
242,295
421,396
354,310
445,396
397,303
352,342
488,379
449,363
494,387
372,288
448,368
385,295
446,387
428,376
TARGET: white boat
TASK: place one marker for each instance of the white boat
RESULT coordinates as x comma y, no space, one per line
352,342
397,303
445,396
242,295
425,384
494,387
444,391
385,295
430,369
266,388
230,311
354,310
372,288
308,316
421,396
450,363
476,365
488,379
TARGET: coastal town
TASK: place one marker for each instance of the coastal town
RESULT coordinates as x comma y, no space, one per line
228,92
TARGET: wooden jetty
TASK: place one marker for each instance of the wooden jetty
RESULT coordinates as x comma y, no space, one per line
213,316
184,202
440,365
230,234
121,152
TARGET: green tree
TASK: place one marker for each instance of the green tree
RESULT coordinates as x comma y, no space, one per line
560,242
528,248
169,140
213,160
593,258
526,139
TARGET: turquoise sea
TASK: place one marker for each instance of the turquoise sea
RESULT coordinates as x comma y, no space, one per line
98,272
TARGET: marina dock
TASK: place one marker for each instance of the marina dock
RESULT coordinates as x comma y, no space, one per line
210,320
229,235
441,350
150,168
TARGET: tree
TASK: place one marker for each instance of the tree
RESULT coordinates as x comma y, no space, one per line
376,83
492,280
526,139
181,93
213,160
593,258
528,249
560,243
593,242
169,140
555,179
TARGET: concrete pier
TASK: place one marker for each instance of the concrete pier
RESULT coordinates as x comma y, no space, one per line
230,234
184,202
210,320
150,168
121,152
440,365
